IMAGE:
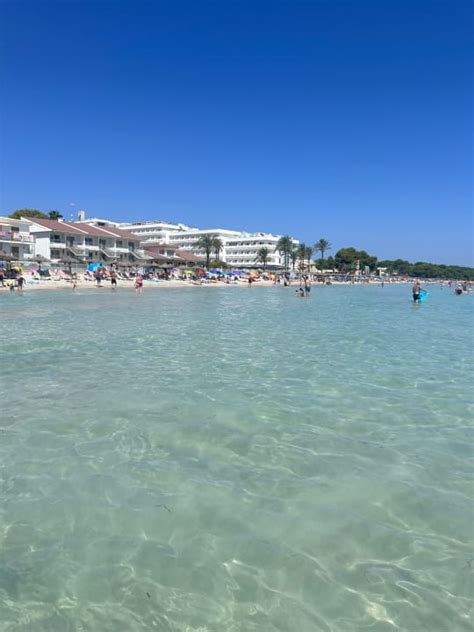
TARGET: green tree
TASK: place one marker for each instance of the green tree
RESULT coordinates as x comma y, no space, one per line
330,263
399,266
294,257
217,246
346,259
301,254
322,246
308,255
55,214
206,243
28,212
218,265
285,248
262,256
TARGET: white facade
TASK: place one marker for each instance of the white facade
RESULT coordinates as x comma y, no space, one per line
186,240
57,240
15,238
154,232
240,249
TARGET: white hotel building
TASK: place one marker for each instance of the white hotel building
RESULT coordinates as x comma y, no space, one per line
239,248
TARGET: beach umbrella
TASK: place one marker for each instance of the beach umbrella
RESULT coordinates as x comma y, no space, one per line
39,259
68,261
6,258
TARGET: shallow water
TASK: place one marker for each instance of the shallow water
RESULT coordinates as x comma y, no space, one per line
236,459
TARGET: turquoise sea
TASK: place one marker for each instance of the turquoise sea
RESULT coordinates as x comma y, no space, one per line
236,460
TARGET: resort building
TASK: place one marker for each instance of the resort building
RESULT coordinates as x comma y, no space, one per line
242,251
239,248
59,240
15,238
154,232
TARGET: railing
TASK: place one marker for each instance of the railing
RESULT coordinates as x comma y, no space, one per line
7,236
87,246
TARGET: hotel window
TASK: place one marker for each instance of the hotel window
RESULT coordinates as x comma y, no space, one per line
89,241
119,244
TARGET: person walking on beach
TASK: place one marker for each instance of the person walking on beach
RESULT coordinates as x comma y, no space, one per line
139,284
98,277
416,290
74,281
2,277
113,279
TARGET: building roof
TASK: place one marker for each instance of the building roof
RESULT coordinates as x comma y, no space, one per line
59,227
151,245
118,232
189,256
157,256
82,228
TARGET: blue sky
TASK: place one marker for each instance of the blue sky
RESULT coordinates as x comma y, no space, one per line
346,120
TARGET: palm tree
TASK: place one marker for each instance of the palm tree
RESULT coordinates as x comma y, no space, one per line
322,246
217,246
206,243
301,254
262,256
294,257
285,248
54,215
308,255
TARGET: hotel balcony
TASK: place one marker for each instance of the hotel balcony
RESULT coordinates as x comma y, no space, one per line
9,236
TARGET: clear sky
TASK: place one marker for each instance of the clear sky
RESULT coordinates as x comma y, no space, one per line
349,120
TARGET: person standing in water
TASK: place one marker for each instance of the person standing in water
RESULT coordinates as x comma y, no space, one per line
416,290
307,286
139,284
113,279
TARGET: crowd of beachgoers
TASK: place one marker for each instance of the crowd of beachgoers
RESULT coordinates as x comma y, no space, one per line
19,278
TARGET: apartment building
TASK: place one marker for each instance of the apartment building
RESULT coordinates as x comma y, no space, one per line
15,238
57,240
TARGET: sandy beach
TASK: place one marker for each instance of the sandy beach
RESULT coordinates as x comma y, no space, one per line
62,284
125,284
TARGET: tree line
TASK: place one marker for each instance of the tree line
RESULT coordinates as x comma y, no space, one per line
33,212
348,260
